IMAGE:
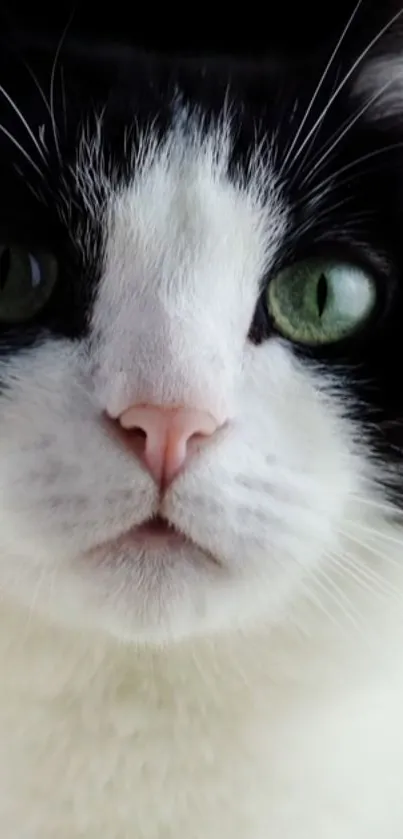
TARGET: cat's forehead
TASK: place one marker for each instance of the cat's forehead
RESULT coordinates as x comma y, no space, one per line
179,211
186,243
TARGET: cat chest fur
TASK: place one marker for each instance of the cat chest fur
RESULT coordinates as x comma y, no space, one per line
109,742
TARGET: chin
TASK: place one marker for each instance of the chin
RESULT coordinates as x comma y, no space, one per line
156,594
153,585
164,592
144,587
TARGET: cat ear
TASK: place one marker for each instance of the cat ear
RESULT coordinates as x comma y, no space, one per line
379,86
378,83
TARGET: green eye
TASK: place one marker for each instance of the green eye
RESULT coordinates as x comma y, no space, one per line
27,279
320,302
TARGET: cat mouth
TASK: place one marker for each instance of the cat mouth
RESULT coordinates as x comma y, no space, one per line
159,530
158,533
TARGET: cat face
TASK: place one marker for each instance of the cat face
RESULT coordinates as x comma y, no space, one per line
174,241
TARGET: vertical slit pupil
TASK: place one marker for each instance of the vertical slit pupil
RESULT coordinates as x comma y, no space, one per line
321,292
5,262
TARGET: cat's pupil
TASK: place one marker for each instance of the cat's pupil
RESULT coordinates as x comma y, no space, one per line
321,294
5,261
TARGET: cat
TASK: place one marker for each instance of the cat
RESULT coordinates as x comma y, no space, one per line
201,506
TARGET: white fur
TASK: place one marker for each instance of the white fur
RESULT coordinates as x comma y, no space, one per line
167,695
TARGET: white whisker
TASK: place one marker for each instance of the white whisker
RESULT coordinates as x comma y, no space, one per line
22,150
346,78
322,185
319,85
333,592
52,84
64,105
325,212
35,595
376,534
38,87
25,123
386,508
351,122
366,577
315,599
374,550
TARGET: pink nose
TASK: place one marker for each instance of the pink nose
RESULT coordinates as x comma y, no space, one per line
166,436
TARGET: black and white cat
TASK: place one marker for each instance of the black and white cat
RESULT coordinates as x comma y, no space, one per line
201,430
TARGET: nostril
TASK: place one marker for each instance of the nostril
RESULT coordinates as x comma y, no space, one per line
133,439
164,437
136,432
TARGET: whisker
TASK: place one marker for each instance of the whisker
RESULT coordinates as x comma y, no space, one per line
367,577
38,86
325,212
316,600
307,151
319,85
35,595
386,508
318,188
375,551
63,94
52,83
375,534
346,78
22,150
42,135
24,122
348,127
338,597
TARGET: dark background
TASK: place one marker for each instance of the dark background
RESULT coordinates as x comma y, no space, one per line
246,30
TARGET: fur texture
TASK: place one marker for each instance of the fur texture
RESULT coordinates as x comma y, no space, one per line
247,683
